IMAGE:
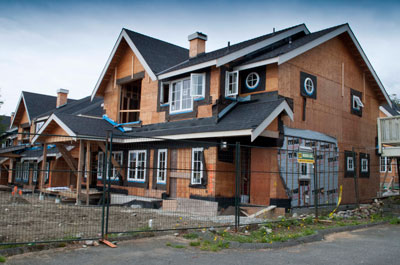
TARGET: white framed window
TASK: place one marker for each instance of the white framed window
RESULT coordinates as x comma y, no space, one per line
364,165
309,86
18,171
198,85
137,165
197,165
385,164
350,163
357,104
231,84
164,93
100,165
38,125
252,80
35,172
162,159
180,97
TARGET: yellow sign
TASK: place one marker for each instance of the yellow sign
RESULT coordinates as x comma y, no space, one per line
305,157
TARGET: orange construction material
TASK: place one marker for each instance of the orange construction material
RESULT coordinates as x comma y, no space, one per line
108,243
20,192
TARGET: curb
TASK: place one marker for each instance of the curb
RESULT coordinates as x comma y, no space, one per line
7,252
319,236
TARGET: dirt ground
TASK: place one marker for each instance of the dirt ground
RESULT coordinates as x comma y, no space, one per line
27,218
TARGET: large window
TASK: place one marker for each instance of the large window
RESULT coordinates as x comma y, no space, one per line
197,165
25,172
18,171
130,102
231,84
181,100
137,165
162,166
47,172
118,156
385,164
164,93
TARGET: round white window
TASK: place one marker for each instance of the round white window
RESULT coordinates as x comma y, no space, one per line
309,86
252,80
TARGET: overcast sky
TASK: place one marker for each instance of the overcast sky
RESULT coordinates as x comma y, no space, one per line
46,45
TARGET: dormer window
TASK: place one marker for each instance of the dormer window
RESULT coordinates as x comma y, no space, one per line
231,84
197,84
357,103
164,93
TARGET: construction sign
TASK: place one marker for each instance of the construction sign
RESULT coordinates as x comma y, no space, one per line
305,157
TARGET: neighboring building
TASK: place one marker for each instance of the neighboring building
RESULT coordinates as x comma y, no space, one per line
285,90
388,168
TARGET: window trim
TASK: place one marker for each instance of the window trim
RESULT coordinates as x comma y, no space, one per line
114,171
100,165
192,88
234,94
37,127
364,167
386,166
134,178
162,103
357,100
181,96
312,86
256,84
165,168
197,149
352,163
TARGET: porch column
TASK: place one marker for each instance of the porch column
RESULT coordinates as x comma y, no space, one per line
88,170
10,170
43,169
80,171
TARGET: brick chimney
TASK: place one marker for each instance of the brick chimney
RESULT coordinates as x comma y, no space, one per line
62,97
197,44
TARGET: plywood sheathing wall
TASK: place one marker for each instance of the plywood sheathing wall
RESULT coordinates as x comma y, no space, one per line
330,112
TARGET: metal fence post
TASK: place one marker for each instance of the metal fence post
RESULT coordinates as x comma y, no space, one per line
104,188
315,185
354,154
109,164
237,186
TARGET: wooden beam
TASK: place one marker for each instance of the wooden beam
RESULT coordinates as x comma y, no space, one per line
80,171
113,161
11,170
88,170
67,157
43,169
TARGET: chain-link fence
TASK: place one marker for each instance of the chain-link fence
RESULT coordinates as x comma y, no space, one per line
72,188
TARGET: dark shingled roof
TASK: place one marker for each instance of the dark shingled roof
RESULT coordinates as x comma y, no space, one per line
4,122
84,106
223,51
85,126
294,45
158,54
245,115
38,151
38,104
391,110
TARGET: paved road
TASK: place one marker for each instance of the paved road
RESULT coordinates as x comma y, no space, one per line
376,245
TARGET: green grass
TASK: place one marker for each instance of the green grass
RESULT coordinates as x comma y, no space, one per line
10,246
3,259
191,236
214,246
174,246
394,221
194,243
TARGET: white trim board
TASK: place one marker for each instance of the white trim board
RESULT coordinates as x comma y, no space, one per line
256,64
124,35
54,118
188,69
16,110
278,110
345,28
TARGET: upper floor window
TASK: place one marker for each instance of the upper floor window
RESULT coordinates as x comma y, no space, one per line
181,100
252,80
357,104
164,93
231,84
38,126
197,83
130,102
364,165
350,163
